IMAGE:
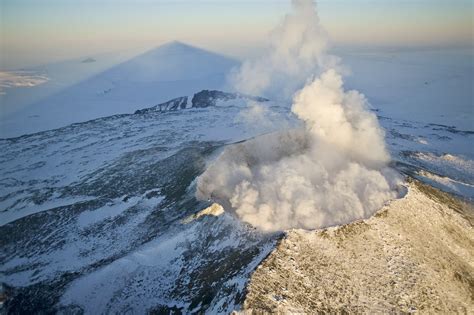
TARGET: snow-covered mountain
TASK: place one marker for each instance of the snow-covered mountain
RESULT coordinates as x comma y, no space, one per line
163,73
111,202
414,255
100,216
54,78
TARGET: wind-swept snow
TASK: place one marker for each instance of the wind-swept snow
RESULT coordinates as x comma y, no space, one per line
83,203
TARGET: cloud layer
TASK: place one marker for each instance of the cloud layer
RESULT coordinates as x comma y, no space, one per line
13,79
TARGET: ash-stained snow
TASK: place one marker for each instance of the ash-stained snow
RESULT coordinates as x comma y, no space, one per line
415,255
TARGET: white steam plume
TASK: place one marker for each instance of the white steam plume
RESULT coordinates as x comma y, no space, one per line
331,171
296,51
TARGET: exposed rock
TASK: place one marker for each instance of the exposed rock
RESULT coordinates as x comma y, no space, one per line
214,210
88,60
5,292
174,104
207,98
203,99
415,254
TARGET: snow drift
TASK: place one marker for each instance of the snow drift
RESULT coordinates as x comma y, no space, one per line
333,170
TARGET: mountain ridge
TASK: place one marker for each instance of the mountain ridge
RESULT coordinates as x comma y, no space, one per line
201,99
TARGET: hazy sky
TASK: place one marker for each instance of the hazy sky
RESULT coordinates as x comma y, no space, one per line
39,31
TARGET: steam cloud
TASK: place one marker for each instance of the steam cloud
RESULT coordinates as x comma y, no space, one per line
297,50
331,171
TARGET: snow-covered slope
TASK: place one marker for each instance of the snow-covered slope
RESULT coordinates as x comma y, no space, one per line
54,77
415,255
100,215
109,203
166,72
440,155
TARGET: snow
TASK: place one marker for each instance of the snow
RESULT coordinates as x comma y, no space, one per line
113,226
75,244
27,208
61,75
416,254
448,184
161,74
148,276
425,85
109,211
55,159
99,292
64,210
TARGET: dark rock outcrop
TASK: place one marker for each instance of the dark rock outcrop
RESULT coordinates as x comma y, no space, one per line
174,104
203,99
88,60
207,98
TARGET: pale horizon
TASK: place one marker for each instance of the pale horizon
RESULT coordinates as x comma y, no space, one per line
34,34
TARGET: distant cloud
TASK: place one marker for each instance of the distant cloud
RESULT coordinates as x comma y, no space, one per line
13,79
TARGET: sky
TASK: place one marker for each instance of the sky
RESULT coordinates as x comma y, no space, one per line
41,31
